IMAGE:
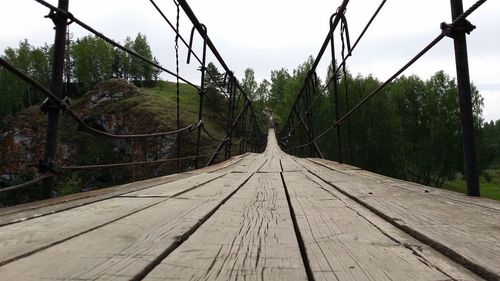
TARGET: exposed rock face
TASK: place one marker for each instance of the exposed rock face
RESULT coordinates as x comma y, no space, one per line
108,107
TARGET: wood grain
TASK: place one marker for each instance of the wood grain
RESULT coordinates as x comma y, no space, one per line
345,241
249,238
122,249
468,233
37,209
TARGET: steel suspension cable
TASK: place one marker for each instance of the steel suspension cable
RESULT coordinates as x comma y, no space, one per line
346,86
72,18
64,105
360,36
28,184
126,164
460,18
379,88
177,32
178,139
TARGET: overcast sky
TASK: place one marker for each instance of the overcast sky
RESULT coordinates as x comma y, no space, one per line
271,34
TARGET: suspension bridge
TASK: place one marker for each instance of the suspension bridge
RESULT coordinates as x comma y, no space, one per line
250,210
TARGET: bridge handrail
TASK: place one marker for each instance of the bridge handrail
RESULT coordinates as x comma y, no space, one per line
304,115
251,132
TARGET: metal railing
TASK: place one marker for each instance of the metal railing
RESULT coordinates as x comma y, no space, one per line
299,123
242,121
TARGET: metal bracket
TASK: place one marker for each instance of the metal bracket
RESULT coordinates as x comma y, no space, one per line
48,105
452,30
50,166
57,17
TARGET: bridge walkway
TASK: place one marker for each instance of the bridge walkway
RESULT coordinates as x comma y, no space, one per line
265,216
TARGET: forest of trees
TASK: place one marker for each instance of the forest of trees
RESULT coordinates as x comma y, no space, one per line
89,60
411,130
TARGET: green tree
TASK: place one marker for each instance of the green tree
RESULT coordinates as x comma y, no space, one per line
93,60
14,93
213,85
248,84
279,79
139,70
263,91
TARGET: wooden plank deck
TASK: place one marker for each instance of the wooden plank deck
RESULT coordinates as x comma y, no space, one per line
265,216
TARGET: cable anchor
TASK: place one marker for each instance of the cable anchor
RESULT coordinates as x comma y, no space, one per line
48,105
57,17
453,30
50,166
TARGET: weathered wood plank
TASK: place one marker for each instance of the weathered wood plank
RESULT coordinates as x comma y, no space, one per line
219,166
334,165
251,237
272,165
169,189
36,209
20,239
250,164
290,165
124,248
468,233
345,241
456,196
42,232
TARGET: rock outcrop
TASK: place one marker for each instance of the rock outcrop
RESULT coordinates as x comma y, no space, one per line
110,107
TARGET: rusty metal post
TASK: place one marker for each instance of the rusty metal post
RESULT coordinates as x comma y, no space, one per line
307,104
231,107
202,92
291,141
56,87
230,90
335,89
255,135
465,101
252,134
243,131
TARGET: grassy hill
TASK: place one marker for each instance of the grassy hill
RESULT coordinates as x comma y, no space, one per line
118,107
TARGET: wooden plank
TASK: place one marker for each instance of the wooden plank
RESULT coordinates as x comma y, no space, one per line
45,231
251,237
273,155
272,165
467,233
169,189
334,165
219,166
290,165
20,239
125,248
249,164
37,209
345,241
450,195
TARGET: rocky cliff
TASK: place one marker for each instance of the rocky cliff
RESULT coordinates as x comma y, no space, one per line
114,106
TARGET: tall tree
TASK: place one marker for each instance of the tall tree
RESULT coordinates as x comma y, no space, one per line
142,71
93,60
279,79
263,91
249,84
213,85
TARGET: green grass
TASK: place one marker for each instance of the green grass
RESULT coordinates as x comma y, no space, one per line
156,107
489,188
161,101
